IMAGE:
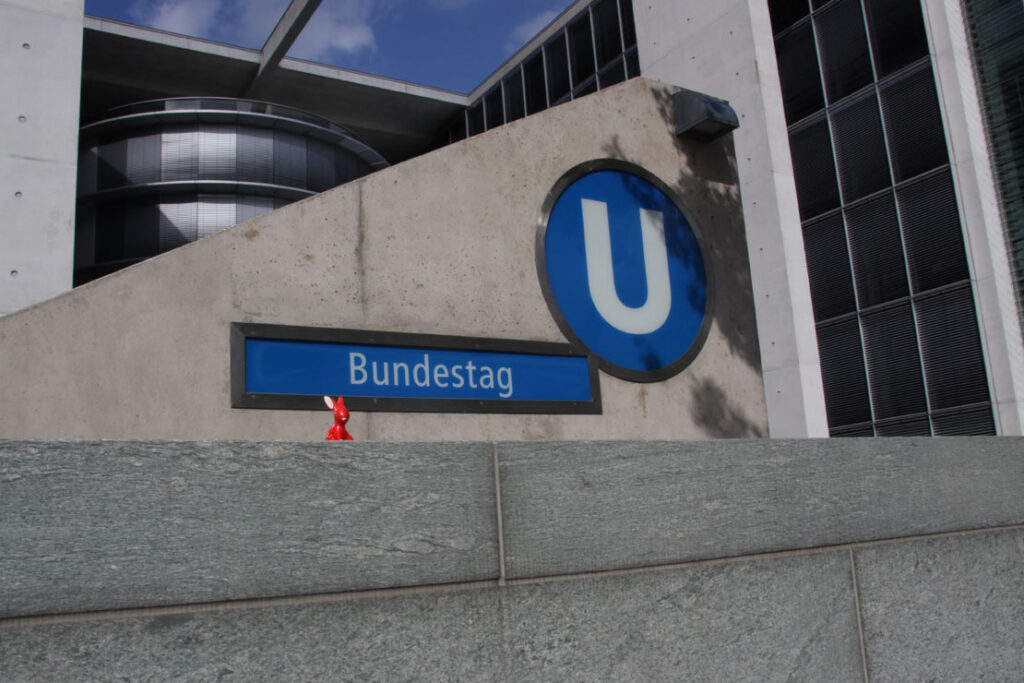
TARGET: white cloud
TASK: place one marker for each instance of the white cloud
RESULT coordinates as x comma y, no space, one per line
249,22
529,28
338,25
190,17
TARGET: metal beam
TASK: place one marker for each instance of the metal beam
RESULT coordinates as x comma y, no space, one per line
280,41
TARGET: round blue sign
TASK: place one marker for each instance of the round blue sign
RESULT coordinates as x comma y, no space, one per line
623,272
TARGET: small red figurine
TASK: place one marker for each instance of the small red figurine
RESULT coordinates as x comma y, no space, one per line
338,431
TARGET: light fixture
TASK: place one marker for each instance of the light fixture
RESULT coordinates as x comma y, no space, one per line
702,117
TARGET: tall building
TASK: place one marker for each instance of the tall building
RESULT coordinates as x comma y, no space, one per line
879,154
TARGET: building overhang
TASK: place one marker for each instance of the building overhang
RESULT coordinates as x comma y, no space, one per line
123,63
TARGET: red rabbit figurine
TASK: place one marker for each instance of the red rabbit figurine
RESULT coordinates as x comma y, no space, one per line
338,431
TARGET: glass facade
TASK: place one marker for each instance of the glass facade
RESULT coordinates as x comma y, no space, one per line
593,50
157,175
893,305
997,39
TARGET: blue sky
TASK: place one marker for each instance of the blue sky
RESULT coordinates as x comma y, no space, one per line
451,44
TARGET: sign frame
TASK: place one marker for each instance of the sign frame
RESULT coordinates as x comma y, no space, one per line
628,374
240,398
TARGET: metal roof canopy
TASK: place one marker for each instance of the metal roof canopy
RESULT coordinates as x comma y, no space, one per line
123,63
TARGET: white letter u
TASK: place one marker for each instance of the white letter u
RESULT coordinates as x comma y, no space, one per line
597,244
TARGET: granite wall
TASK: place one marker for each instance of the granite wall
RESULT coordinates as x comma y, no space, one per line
873,559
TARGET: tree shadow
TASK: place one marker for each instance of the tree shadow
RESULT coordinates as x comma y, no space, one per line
712,410
718,222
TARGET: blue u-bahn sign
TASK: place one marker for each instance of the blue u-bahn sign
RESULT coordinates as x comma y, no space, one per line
623,271
293,367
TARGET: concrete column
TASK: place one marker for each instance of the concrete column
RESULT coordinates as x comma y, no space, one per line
725,48
41,52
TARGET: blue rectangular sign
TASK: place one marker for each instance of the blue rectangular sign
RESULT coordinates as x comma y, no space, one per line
391,371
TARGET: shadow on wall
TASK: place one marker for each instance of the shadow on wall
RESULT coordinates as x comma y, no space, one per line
712,410
721,227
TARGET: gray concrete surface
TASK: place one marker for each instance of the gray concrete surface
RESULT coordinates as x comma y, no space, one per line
725,49
105,525
792,619
442,244
577,507
949,609
40,43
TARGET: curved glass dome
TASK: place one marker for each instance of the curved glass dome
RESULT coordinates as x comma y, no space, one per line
158,174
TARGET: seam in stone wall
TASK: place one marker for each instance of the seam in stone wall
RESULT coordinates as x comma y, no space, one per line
860,617
405,591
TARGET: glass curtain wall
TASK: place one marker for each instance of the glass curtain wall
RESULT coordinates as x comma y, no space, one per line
593,50
893,305
997,39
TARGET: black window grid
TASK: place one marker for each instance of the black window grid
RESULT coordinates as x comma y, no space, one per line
623,66
968,417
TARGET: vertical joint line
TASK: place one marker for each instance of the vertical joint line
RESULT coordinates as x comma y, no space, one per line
498,512
860,618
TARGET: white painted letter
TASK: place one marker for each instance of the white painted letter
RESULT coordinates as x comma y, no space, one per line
356,369
597,244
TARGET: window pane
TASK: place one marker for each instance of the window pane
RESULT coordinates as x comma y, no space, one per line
842,374
844,49
143,159
533,71
476,118
894,366
616,73
897,33
255,151
828,268
977,421
178,222
951,347
814,169
860,149
606,32
628,26
217,152
494,108
913,124
919,427
785,13
582,48
877,252
798,74
457,130
141,230
320,175
215,213
178,158
289,159
931,231
514,108
558,69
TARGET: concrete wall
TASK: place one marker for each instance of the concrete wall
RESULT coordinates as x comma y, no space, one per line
838,560
41,53
725,48
441,244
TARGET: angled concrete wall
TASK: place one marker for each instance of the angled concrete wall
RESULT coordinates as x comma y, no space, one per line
440,244
867,559
41,52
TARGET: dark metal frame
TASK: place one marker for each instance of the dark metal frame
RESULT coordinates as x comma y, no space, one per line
240,398
629,374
